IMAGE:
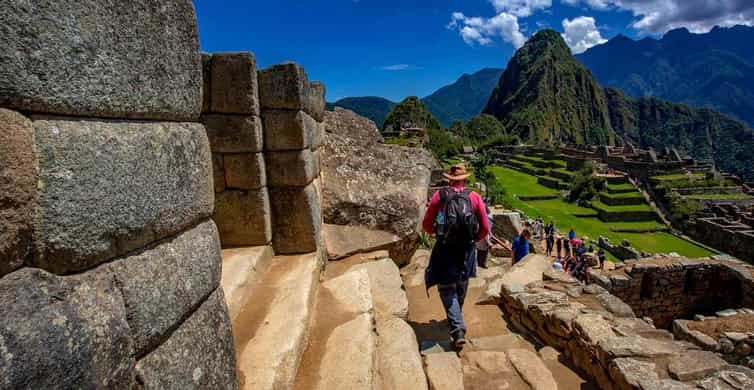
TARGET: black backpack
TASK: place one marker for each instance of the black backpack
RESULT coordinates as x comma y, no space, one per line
460,222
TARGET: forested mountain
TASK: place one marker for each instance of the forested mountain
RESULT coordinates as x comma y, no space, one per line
546,96
372,107
713,70
465,98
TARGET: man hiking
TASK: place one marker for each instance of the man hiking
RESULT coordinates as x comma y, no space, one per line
458,218
520,246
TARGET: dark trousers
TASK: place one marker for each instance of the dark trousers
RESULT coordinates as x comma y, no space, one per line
452,296
481,258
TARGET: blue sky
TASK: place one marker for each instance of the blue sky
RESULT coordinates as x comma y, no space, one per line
395,49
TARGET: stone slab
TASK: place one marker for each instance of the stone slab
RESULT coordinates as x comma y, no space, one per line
351,291
109,187
628,372
188,270
387,287
316,103
288,130
234,133
18,189
270,359
532,369
291,169
97,58
240,269
349,358
694,364
284,86
63,333
234,84
343,240
198,355
245,171
399,363
297,219
444,371
243,217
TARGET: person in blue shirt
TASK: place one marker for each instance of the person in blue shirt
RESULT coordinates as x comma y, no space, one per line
520,247
571,234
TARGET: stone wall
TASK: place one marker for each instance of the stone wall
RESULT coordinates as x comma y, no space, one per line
665,289
109,261
732,237
264,130
601,336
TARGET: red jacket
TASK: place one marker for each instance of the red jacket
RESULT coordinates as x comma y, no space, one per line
476,202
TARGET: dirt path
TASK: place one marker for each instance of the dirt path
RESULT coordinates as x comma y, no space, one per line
487,330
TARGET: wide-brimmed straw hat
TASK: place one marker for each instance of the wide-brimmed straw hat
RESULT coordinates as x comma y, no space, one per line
457,172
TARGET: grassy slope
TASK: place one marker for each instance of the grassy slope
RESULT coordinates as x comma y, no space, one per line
564,215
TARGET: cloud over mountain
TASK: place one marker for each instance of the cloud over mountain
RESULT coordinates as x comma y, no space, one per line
581,33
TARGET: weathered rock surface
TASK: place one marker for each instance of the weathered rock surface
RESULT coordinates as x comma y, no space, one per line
529,269
234,84
297,219
351,291
270,359
240,268
98,58
343,240
628,373
444,371
693,365
206,81
234,133
18,189
110,187
284,86
245,171
289,130
66,333
349,124
316,104
348,362
532,369
387,287
198,355
381,187
398,360
244,217
506,225
218,172
188,270
292,168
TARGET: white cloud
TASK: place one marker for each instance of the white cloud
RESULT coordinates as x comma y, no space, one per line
659,16
581,33
479,30
520,8
396,67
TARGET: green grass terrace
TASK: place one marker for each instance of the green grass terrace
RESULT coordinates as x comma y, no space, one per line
646,235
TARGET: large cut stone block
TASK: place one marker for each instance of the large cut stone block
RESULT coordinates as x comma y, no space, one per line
188,270
387,287
198,355
292,169
349,358
245,171
234,84
288,130
398,359
206,82
18,189
284,86
243,217
234,133
109,187
316,104
297,219
63,333
100,58
218,172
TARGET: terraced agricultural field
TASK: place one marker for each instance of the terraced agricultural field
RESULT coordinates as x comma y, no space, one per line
584,220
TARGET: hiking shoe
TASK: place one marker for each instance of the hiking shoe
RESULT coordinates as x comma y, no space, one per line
459,339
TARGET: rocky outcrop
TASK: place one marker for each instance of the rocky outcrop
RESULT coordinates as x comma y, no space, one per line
380,187
350,124
97,58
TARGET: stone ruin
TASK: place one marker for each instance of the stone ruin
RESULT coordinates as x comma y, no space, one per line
264,165
109,259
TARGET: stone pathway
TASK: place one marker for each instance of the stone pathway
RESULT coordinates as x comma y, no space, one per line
496,357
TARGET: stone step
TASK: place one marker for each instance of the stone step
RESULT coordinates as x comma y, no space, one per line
241,267
272,328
